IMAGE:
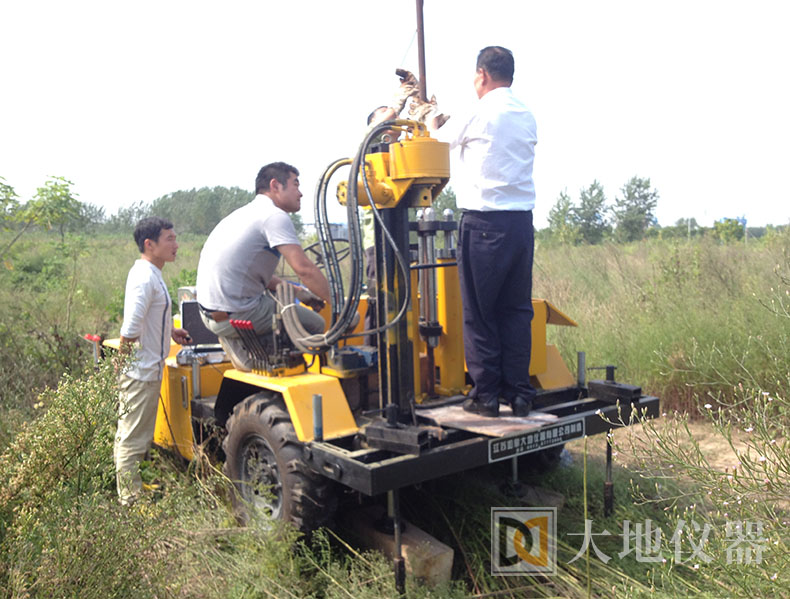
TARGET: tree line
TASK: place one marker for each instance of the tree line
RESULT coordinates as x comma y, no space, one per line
591,220
588,220
56,206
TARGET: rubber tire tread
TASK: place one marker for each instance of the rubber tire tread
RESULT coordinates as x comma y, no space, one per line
309,500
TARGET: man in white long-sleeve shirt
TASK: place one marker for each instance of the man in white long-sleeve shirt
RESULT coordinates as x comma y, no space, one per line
146,331
495,190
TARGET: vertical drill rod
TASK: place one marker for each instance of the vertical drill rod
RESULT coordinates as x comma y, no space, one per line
421,52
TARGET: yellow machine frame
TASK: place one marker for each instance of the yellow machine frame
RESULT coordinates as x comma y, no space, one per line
418,162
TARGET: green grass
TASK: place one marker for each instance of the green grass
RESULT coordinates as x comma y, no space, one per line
693,323
678,319
62,533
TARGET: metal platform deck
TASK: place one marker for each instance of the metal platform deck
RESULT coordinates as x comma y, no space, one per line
471,442
506,424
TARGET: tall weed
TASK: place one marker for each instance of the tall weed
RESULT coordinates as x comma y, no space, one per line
739,515
673,316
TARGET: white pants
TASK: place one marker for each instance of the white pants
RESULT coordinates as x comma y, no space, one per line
136,421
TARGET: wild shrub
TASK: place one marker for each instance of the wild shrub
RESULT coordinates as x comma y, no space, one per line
742,510
63,534
67,449
738,516
677,318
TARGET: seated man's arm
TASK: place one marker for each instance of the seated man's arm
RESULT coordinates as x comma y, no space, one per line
273,282
308,273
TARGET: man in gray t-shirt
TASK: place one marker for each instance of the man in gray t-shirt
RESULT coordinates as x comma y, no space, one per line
239,258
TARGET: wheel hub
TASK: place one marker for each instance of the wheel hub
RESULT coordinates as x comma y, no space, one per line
261,483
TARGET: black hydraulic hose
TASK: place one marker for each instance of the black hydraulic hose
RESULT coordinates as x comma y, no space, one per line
355,246
328,252
346,315
398,255
351,302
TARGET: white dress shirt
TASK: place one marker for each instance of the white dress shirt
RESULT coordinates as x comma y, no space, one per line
147,317
495,152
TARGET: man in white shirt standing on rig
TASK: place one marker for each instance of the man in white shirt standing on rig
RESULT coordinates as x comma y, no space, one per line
147,329
496,193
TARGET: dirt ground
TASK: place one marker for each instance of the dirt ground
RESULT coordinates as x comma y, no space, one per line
715,447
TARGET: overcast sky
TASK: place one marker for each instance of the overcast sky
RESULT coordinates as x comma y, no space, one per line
131,101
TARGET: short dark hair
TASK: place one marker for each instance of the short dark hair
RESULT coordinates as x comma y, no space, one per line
150,228
372,115
497,62
276,170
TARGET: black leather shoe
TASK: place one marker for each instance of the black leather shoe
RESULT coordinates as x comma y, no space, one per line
489,409
521,407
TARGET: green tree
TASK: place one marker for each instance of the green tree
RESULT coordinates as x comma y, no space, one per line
8,202
728,229
590,214
53,205
199,210
126,218
445,200
683,228
296,219
634,212
90,216
563,224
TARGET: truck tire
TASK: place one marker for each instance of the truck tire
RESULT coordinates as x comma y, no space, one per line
264,459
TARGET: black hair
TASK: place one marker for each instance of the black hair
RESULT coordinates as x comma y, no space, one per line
150,228
276,170
497,62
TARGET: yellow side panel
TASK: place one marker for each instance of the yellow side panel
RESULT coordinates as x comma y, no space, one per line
174,349
173,428
362,309
556,373
112,343
211,377
537,362
298,391
174,416
554,316
417,342
450,351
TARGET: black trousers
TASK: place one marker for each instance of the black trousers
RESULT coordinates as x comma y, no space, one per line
495,266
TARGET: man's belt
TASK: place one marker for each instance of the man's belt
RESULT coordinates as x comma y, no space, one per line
215,315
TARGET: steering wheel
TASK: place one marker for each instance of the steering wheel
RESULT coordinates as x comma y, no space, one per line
313,251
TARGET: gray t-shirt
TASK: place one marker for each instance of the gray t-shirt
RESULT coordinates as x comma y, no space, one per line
240,255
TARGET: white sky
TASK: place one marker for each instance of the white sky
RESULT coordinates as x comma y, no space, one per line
134,100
